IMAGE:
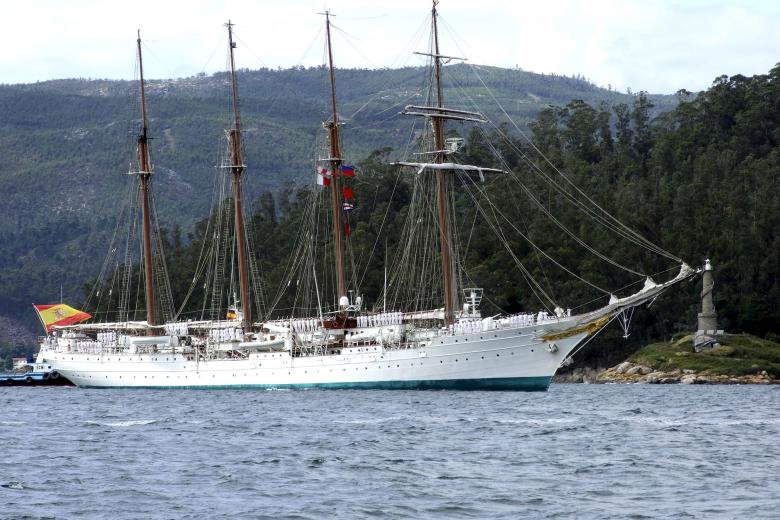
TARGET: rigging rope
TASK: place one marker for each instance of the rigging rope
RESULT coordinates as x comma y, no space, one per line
539,204
602,216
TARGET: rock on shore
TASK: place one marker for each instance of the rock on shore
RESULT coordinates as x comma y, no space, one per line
628,372
578,375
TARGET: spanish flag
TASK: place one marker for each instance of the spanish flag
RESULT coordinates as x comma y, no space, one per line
59,315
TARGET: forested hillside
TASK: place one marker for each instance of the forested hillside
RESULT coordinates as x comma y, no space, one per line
700,180
67,144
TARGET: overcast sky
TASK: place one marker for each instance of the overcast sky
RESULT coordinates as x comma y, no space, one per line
654,45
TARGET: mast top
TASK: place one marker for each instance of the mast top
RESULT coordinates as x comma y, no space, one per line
229,26
144,118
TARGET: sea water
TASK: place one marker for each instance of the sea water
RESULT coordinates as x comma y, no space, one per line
577,451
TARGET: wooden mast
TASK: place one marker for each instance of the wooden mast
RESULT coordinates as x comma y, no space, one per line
335,161
237,168
145,173
442,183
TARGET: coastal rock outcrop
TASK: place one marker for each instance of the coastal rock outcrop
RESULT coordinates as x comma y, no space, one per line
578,375
628,372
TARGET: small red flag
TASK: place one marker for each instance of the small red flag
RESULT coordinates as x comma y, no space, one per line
347,231
348,193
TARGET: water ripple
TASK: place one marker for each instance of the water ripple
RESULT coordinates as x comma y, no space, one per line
584,451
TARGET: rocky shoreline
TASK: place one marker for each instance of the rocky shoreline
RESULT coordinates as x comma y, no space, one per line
628,372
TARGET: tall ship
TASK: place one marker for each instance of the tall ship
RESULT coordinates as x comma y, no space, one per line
426,329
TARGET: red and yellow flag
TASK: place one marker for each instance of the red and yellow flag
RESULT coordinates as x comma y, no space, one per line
59,314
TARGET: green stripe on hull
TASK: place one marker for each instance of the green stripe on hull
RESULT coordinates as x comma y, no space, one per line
528,384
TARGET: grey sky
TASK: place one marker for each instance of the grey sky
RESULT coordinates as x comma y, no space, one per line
659,46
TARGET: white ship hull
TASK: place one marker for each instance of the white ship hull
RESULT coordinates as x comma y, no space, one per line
504,359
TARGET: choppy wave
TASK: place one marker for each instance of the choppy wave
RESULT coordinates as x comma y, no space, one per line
595,451
374,420
123,424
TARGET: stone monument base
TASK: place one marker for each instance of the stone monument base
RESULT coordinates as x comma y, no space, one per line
706,339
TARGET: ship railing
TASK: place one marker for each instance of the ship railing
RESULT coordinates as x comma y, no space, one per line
226,334
361,342
513,321
381,319
86,347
